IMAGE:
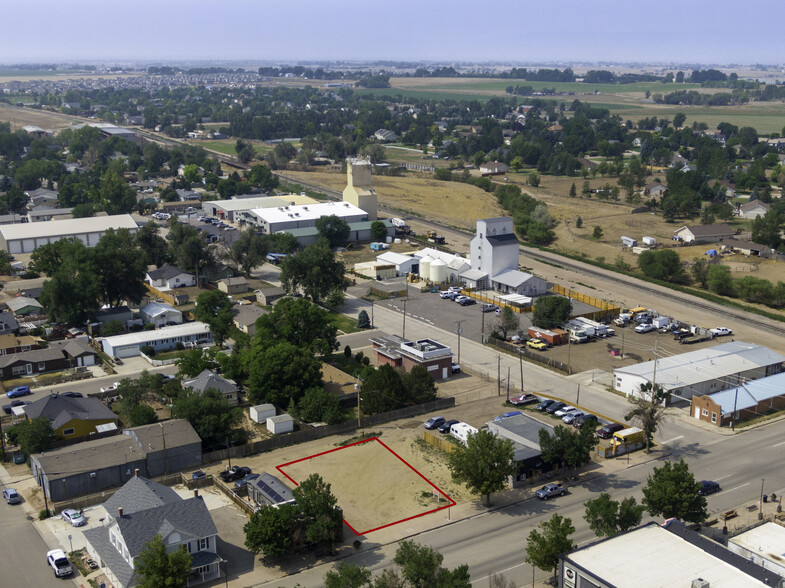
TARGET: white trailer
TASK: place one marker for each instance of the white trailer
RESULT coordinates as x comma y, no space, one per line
629,242
649,241
462,431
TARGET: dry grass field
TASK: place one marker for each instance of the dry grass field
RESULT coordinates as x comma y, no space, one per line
374,487
20,117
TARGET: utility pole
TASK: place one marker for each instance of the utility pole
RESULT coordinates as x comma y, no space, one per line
520,358
357,389
733,416
498,375
482,327
508,383
403,333
569,348
760,509
459,330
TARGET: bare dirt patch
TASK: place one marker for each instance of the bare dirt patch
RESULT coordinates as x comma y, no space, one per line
374,487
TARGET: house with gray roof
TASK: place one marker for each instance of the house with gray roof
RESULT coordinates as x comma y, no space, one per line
160,314
8,322
704,233
245,316
139,511
24,306
59,355
208,380
72,417
168,277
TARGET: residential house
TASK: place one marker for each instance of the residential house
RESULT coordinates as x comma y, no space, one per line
385,135
188,195
494,168
47,214
655,189
704,233
122,314
245,316
209,380
268,296
216,271
42,197
753,209
108,462
723,188
59,355
237,285
267,490
169,277
139,511
24,306
10,343
8,322
160,314
163,339
72,417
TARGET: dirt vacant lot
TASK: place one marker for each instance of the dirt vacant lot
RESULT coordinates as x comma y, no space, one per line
374,487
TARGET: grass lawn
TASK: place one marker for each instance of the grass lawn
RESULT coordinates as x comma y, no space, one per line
346,364
342,322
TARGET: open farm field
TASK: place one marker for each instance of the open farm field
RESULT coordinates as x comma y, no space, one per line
765,117
20,117
452,203
485,85
226,146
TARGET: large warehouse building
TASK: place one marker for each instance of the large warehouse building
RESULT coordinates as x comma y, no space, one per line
237,209
27,237
287,218
701,372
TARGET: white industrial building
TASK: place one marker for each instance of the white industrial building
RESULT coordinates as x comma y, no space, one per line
235,209
164,339
653,556
286,218
441,267
27,237
702,371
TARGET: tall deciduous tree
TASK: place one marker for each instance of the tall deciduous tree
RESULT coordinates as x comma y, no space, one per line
120,268
382,390
334,229
272,531
281,373
548,541
664,264
211,416
214,308
551,311
315,270
508,321
484,464
33,436
347,576
248,250
671,491
297,321
318,506
421,566
156,567
648,409
607,517
152,244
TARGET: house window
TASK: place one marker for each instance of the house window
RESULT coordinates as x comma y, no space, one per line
203,570
69,431
188,546
714,417
204,543
41,366
705,412
18,369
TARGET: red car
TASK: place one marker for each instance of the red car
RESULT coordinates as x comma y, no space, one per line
523,399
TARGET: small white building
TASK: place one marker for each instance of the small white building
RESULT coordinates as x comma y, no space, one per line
283,423
404,264
160,314
762,545
169,277
261,412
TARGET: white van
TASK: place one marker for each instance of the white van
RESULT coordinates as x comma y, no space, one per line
462,431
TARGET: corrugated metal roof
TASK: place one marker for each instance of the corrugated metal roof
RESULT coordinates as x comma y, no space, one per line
67,227
749,394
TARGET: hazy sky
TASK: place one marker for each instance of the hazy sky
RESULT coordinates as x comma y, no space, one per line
683,31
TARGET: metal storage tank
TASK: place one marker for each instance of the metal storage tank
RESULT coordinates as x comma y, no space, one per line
425,267
438,271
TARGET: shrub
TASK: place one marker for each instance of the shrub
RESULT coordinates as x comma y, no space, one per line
359,356
179,346
148,350
347,352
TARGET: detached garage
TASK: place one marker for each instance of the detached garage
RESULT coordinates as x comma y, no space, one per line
27,237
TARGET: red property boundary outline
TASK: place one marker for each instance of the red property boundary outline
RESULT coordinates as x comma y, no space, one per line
450,501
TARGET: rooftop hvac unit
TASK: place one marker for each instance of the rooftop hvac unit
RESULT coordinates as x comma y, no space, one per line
700,583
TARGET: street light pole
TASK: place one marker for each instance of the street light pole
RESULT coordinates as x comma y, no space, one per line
760,509
403,332
459,330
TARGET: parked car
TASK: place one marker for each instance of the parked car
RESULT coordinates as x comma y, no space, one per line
467,301
499,311
445,294
644,317
460,298
549,490
721,331
507,415
234,473
489,307
645,328
73,516
444,428
545,404
250,477
198,474
434,422
72,394
708,487
59,563
523,399
18,391
570,417
560,412
608,430
555,406
583,419
537,344
456,369
7,408
113,386
11,496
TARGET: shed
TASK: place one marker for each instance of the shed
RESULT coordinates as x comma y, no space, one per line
261,412
282,423
233,285
267,296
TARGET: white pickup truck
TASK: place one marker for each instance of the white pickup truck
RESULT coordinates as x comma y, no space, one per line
59,563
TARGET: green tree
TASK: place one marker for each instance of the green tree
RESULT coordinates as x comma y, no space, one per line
281,373
261,177
248,250
319,405
748,137
508,321
719,280
319,507
191,173
334,229
119,267
382,390
671,491
421,566
573,191
347,576
766,229
551,311
568,446
33,436
214,308
597,233
156,567
533,180
678,119
483,464
142,414
363,320
273,530
443,174
118,196
578,223
315,270
154,246
297,321
193,362
211,416
548,541
700,271
607,517
187,246
420,385
378,230
648,409
664,264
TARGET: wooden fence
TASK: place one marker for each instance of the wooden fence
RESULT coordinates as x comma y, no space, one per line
439,442
605,308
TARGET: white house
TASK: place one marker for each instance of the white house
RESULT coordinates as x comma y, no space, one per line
164,339
160,314
752,210
168,277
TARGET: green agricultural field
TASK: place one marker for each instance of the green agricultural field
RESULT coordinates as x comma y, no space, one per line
577,87
765,117
226,146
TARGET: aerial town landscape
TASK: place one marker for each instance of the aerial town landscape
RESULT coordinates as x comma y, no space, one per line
366,297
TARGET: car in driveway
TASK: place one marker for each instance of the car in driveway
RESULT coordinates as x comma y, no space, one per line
11,496
59,563
434,422
523,399
444,428
721,331
545,404
581,420
549,490
570,417
645,328
18,391
8,408
73,516
537,344
234,473
555,406
708,487
507,415
564,410
607,431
